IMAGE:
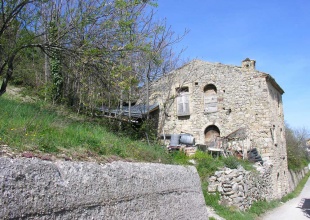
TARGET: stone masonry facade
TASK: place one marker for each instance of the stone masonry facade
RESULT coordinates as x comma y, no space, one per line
214,100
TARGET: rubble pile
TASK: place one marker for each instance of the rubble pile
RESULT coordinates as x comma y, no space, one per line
240,188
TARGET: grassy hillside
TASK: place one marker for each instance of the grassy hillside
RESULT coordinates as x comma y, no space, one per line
44,129
47,131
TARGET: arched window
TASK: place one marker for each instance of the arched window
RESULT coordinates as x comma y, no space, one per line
212,133
210,98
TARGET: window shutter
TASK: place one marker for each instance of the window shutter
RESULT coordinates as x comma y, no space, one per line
183,105
210,102
186,104
180,105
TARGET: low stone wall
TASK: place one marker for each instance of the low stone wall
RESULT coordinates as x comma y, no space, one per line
294,177
240,188
36,189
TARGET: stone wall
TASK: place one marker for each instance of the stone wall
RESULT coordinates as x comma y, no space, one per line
36,189
240,188
296,176
276,151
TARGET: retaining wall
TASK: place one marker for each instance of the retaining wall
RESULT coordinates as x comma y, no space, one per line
240,188
36,189
294,177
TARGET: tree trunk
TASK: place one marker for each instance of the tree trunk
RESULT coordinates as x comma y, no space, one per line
129,104
7,77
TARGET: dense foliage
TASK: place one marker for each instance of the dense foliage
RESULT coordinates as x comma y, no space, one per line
297,155
85,54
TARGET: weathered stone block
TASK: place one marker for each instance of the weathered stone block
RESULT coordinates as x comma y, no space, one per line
235,187
212,179
212,188
238,179
227,171
42,190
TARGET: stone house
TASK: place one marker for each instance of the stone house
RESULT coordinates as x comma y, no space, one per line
234,107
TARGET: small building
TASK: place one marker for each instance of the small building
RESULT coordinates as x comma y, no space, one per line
236,107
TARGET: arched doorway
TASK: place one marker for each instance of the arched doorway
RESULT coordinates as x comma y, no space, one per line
212,133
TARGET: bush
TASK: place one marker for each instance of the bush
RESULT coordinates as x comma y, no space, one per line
206,164
231,162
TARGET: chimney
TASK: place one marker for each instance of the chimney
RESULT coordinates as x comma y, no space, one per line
248,64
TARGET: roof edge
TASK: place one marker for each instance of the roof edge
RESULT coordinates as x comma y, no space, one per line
273,82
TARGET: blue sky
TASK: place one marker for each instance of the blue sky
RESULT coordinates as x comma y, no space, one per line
274,33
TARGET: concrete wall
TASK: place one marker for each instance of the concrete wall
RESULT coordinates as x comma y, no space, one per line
36,189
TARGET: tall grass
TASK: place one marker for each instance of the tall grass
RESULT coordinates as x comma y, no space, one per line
37,127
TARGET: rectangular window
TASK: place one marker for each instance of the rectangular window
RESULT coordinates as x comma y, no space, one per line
183,104
210,103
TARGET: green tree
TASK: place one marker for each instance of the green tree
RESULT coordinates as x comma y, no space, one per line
297,155
97,52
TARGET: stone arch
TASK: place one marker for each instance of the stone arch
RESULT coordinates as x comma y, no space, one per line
211,133
210,98
210,89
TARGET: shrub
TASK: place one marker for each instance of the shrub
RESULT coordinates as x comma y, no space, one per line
206,164
231,162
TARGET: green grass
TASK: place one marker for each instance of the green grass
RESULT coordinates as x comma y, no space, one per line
37,127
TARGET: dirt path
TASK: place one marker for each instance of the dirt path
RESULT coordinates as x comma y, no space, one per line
295,209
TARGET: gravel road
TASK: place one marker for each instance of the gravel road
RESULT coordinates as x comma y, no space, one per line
295,209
